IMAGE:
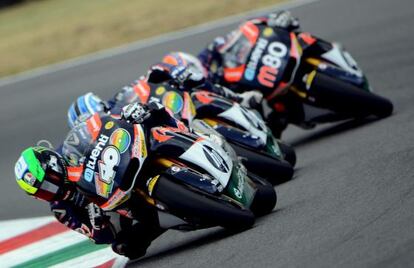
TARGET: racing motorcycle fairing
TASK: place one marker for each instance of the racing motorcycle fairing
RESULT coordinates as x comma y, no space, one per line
110,162
235,122
188,176
231,112
193,149
266,60
335,61
186,150
238,123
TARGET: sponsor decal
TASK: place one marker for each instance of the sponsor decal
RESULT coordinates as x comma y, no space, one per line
175,169
116,199
109,125
257,53
215,159
121,139
272,61
160,90
103,189
139,149
20,168
88,175
241,174
267,32
103,139
29,178
173,101
93,158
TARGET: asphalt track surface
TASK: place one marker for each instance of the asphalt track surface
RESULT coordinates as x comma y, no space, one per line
351,203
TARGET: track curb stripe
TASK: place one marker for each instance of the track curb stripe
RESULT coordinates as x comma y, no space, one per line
30,237
44,242
62,255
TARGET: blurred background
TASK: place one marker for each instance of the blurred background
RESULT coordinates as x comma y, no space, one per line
39,32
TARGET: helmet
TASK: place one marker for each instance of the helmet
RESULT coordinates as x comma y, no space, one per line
41,172
83,107
187,60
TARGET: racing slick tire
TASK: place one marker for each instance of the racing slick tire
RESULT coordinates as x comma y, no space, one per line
274,170
265,199
288,152
348,99
202,208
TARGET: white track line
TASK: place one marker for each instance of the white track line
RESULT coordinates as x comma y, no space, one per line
108,53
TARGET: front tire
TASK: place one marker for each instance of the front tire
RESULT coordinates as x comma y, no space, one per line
288,153
265,199
273,170
348,99
203,209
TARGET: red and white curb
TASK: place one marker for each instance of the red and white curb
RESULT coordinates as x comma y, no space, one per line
44,242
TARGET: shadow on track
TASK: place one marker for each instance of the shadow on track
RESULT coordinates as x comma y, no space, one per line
333,130
204,239
207,238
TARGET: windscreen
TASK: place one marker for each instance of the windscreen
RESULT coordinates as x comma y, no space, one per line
238,53
76,144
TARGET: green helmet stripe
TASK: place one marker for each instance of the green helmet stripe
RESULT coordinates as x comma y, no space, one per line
33,164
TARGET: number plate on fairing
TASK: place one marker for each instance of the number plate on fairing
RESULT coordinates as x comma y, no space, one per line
108,157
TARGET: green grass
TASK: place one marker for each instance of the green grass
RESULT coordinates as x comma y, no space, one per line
41,32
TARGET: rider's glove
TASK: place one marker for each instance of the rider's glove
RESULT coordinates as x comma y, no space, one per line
102,231
180,75
283,19
251,99
96,217
135,112
187,77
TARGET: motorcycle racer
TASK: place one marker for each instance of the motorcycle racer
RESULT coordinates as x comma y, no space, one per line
225,60
228,48
90,103
48,175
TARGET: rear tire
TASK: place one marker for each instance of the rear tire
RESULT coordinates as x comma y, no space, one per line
203,209
265,199
348,99
273,170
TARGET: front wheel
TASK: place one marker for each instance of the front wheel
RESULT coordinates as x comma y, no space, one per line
273,170
199,208
288,152
348,99
265,198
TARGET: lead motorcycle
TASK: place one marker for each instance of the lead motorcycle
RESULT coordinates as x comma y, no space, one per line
186,181
305,79
242,128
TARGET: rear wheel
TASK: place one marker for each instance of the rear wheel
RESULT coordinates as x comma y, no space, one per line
273,170
348,99
202,209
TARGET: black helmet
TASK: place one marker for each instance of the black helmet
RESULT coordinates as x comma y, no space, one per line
41,172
